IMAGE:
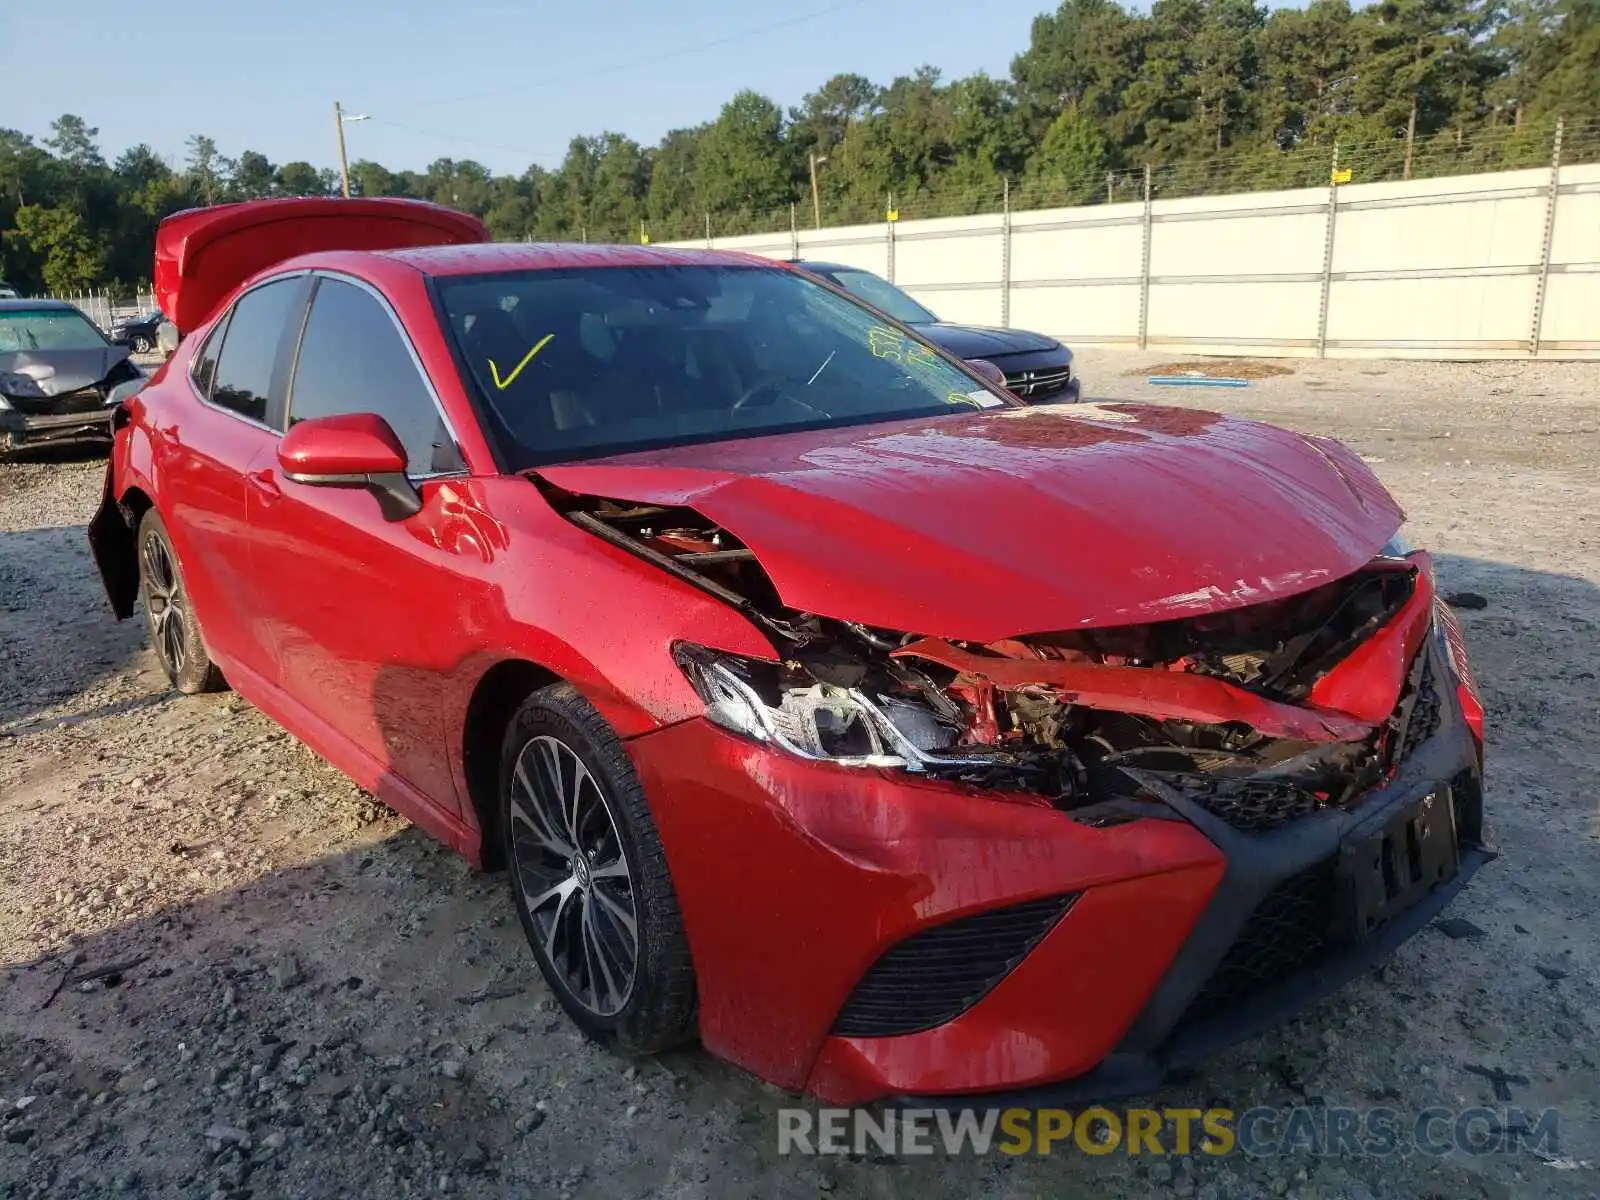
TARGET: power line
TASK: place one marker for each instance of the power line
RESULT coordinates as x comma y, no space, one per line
451,136
661,56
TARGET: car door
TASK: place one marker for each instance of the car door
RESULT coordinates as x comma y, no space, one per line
364,612
205,450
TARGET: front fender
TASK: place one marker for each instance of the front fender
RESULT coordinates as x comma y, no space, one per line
113,543
114,528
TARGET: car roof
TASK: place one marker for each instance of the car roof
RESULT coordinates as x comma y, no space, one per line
487,258
20,305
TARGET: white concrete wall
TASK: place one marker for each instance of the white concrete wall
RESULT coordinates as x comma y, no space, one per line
1442,268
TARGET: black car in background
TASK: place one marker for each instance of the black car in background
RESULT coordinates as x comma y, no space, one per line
138,333
1037,368
60,379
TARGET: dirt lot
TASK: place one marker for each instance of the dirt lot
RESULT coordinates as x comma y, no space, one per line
320,1002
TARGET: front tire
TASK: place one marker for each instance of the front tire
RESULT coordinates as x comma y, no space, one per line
589,877
174,629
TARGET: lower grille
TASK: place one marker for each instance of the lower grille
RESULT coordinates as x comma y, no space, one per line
1250,805
936,975
1292,930
84,400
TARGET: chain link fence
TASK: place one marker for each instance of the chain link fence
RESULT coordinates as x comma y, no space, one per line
104,308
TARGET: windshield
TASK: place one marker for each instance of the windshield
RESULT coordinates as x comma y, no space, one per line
880,293
48,329
584,362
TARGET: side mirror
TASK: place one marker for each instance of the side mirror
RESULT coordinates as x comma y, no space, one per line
982,366
351,450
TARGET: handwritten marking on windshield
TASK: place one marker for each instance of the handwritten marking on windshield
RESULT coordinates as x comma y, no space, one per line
885,343
494,371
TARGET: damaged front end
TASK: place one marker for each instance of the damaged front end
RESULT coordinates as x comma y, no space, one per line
1258,714
64,395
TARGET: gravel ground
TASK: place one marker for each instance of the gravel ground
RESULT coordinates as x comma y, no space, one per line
311,999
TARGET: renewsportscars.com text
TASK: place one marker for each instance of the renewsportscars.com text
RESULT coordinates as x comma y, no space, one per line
1255,1132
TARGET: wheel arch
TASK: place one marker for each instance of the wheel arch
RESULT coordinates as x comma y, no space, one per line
498,694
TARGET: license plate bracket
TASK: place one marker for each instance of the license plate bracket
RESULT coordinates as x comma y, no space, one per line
1386,873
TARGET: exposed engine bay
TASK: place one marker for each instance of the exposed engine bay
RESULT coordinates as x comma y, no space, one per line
1100,722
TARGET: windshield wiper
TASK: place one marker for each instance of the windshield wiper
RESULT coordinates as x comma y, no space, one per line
822,368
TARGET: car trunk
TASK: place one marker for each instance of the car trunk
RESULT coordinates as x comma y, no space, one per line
203,254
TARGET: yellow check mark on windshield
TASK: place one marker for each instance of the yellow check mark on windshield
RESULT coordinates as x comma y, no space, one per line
494,371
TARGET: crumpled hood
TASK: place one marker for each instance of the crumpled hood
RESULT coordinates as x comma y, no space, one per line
60,371
1021,521
974,341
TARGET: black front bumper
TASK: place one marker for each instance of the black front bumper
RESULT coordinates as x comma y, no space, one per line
1179,1026
31,429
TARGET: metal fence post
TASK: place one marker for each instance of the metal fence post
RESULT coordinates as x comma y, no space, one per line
1144,266
794,234
708,231
1536,330
1005,253
889,234
1327,255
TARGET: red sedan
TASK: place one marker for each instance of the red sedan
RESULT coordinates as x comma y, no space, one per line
822,700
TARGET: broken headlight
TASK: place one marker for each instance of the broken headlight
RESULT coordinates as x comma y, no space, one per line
15,384
1395,547
126,390
818,721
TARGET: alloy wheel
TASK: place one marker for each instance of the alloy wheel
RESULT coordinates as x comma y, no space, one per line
164,603
569,864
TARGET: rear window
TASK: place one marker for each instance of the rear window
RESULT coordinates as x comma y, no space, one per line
579,363
244,372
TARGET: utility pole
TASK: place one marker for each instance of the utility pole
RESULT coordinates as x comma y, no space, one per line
344,164
1411,134
339,119
816,199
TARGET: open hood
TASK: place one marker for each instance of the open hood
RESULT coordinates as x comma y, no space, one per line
996,524
202,254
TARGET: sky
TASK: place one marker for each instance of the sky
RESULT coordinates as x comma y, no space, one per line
506,84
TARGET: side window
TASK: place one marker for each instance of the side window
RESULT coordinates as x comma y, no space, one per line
250,348
203,370
353,359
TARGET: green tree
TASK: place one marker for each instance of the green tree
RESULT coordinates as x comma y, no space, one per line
73,142
299,179
58,240
205,169
824,116
1083,56
25,169
1562,73
1308,71
368,178
1224,81
672,178
1417,55
254,176
743,164
1072,159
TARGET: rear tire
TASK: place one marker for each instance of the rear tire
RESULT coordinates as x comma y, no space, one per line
589,877
174,629
141,345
